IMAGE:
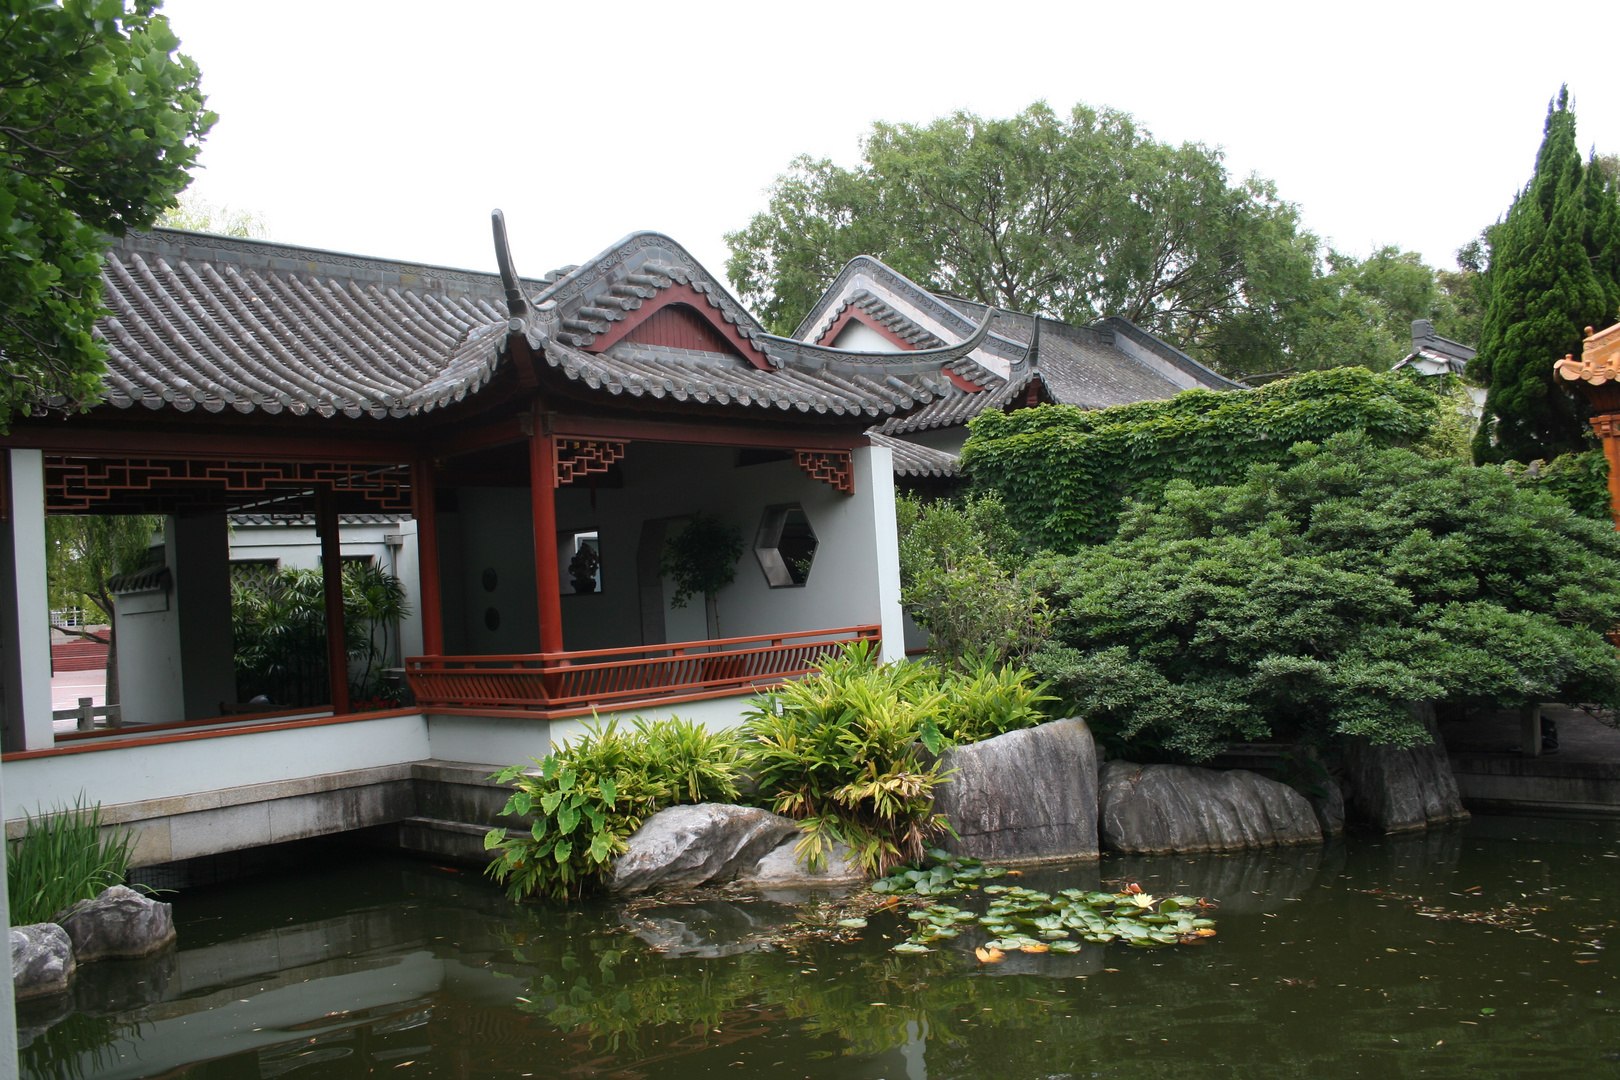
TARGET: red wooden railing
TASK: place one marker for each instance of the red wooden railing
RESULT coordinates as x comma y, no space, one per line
601,678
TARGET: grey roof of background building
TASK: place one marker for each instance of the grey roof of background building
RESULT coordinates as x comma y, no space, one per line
309,519
1111,363
1433,352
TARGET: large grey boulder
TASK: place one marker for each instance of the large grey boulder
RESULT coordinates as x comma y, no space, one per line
1026,796
118,924
1329,807
1165,808
41,960
782,868
1398,789
694,845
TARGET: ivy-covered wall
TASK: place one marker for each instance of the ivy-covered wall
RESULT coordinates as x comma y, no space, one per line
1065,472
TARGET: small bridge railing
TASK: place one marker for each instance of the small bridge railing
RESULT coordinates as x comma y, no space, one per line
604,678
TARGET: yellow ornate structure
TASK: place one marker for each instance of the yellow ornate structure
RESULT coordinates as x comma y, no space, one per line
1599,369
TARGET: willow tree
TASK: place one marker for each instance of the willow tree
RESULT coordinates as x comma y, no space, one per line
82,556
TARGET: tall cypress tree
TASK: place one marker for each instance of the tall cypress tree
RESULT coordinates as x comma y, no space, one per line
1544,290
1600,193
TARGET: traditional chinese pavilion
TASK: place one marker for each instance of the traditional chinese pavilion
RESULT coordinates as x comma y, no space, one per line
508,422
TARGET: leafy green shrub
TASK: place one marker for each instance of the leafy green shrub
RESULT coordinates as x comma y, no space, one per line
961,578
1581,480
588,797
1320,596
1065,473
688,762
839,751
701,559
62,858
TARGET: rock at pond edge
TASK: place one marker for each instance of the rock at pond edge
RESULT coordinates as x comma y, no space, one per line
781,868
695,845
41,960
118,924
1170,808
1398,789
1026,796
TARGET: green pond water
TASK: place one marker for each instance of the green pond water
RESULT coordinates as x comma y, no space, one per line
1476,951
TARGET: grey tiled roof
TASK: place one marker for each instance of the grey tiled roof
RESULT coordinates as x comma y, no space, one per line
959,407
912,459
1435,353
201,320
206,321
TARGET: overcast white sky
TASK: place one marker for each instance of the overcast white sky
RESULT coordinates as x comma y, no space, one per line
391,129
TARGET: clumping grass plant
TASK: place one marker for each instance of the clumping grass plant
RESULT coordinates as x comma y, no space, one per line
63,857
841,750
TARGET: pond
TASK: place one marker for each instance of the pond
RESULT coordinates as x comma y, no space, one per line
1477,951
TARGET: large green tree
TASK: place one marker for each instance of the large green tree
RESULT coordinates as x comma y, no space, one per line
100,119
1362,311
1554,270
1078,216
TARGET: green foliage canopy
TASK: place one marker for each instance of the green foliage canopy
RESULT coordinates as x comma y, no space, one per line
1554,270
1318,596
1064,473
83,553
100,119
279,632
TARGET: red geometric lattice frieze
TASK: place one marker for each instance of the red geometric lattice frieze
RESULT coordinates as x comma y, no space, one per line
581,457
830,467
86,483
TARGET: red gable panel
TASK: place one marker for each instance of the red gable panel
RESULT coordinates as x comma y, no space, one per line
698,310
679,326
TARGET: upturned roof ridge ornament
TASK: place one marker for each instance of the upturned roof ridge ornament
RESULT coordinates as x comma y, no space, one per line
781,349
1600,358
516,305
1033,356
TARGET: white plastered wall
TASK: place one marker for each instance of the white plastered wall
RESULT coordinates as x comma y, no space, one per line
25,608
174,651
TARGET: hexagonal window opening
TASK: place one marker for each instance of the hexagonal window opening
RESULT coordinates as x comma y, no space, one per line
786,546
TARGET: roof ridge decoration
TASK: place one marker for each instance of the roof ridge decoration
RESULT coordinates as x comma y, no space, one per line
516,305
1600,358
784,351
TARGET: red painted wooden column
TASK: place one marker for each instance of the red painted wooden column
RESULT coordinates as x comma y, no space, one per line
427,556
543,501
337,654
